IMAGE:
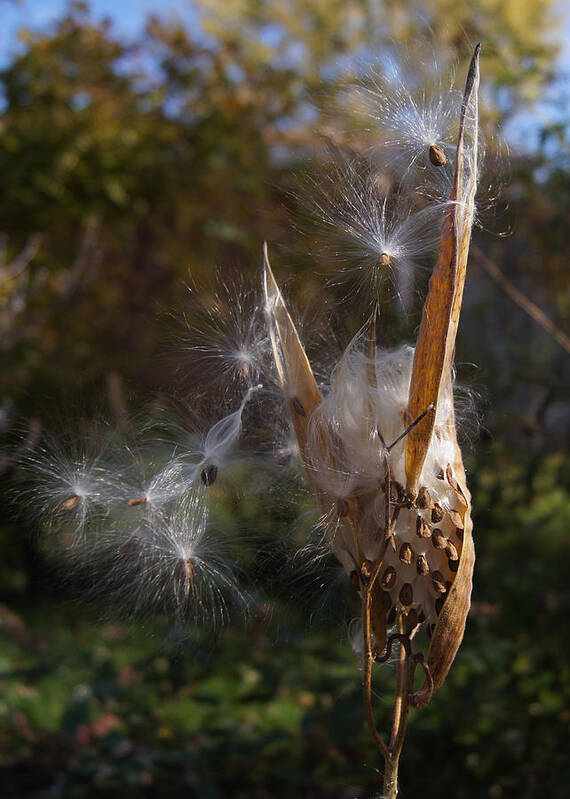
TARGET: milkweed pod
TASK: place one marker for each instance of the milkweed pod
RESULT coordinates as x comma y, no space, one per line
292,364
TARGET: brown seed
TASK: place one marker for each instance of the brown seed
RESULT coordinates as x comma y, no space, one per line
438,539
437,156
438,582
354,581
459,533
391,617
406,554
366,569
297,406
453,565
185,571
396,493
422,565
209,475
439,602
342,507
455,485
423,499
456,518
70,503
422,528
389,577
132,503
383,260
440,475
411,621
406,594
436,513
451,551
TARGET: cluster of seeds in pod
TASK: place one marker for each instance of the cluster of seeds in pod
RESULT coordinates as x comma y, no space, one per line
423,555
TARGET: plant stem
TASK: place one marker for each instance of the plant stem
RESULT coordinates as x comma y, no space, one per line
390,789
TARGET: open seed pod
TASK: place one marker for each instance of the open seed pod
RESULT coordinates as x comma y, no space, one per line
397,514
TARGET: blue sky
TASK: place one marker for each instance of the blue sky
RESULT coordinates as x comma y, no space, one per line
128,17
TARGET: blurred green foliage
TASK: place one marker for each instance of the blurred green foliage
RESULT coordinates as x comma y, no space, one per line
135,164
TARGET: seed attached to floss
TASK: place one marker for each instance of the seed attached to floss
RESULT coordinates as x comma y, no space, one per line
70,503
406,594
406,554
422,528
438,539
132,503
185,571
438,582
389,577
437,156
422,565
383,260
423,499
209,475
436,513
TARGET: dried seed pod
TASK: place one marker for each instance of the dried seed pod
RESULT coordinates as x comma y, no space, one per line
438,539
383,260
70,503
297,407
437,513
388,579
423,499
422,565
436,155
451,551
133,503
209,475
406,554
438,582
423,530
406,595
